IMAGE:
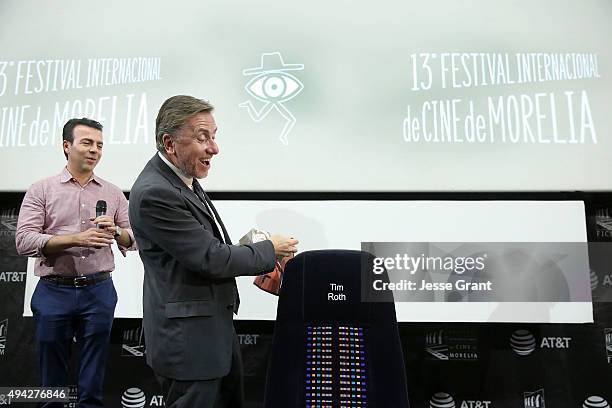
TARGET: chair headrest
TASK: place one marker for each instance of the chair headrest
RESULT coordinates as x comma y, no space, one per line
326,286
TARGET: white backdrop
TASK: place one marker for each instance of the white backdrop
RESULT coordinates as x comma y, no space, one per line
345,224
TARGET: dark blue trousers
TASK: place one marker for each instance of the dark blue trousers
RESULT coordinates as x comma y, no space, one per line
85,314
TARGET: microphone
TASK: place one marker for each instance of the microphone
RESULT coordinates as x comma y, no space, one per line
100,209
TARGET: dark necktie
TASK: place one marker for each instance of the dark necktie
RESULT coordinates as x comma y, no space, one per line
199,191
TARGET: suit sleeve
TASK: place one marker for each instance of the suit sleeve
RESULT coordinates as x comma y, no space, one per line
164,219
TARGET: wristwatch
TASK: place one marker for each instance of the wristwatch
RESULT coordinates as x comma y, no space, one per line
118,231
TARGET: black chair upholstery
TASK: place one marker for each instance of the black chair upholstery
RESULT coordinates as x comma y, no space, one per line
333,351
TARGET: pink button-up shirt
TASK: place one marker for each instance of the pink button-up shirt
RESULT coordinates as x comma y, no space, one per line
59,205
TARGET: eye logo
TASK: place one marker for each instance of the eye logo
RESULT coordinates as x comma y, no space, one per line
273,86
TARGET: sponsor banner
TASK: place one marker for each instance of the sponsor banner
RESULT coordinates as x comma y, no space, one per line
3,336
8,221
534,399
608,343
600,221
452,344
133,342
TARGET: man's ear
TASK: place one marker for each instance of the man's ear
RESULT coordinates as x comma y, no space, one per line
66,145
168,143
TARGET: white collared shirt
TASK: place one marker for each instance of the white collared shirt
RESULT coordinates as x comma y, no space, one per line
189,183
187,180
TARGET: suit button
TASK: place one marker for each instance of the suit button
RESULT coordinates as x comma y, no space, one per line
230,307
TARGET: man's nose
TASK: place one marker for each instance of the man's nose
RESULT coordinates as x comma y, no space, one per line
213,147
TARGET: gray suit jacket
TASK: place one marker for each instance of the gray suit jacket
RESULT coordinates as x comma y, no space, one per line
189,287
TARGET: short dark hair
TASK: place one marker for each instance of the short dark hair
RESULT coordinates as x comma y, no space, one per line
68,132
174,113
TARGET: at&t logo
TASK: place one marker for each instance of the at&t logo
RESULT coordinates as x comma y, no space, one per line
445,400
524,343
556,342
595,402
134,397
596,282
248,339
441,400
12,276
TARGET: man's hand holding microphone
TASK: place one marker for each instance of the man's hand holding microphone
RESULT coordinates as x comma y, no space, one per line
104,232
98,237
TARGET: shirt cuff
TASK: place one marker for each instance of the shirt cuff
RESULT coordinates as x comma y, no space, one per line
40,244
132,247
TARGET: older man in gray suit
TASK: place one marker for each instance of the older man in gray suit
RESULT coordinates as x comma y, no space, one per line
190,263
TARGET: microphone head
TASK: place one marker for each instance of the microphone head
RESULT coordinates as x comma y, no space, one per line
100,208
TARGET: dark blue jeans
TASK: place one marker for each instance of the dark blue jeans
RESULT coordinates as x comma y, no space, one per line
85,314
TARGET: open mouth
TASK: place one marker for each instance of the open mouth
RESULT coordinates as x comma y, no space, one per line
205,162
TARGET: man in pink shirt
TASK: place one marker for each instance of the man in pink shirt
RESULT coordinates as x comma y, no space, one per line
75,296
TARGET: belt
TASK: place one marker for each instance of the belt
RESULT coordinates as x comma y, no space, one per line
77,281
